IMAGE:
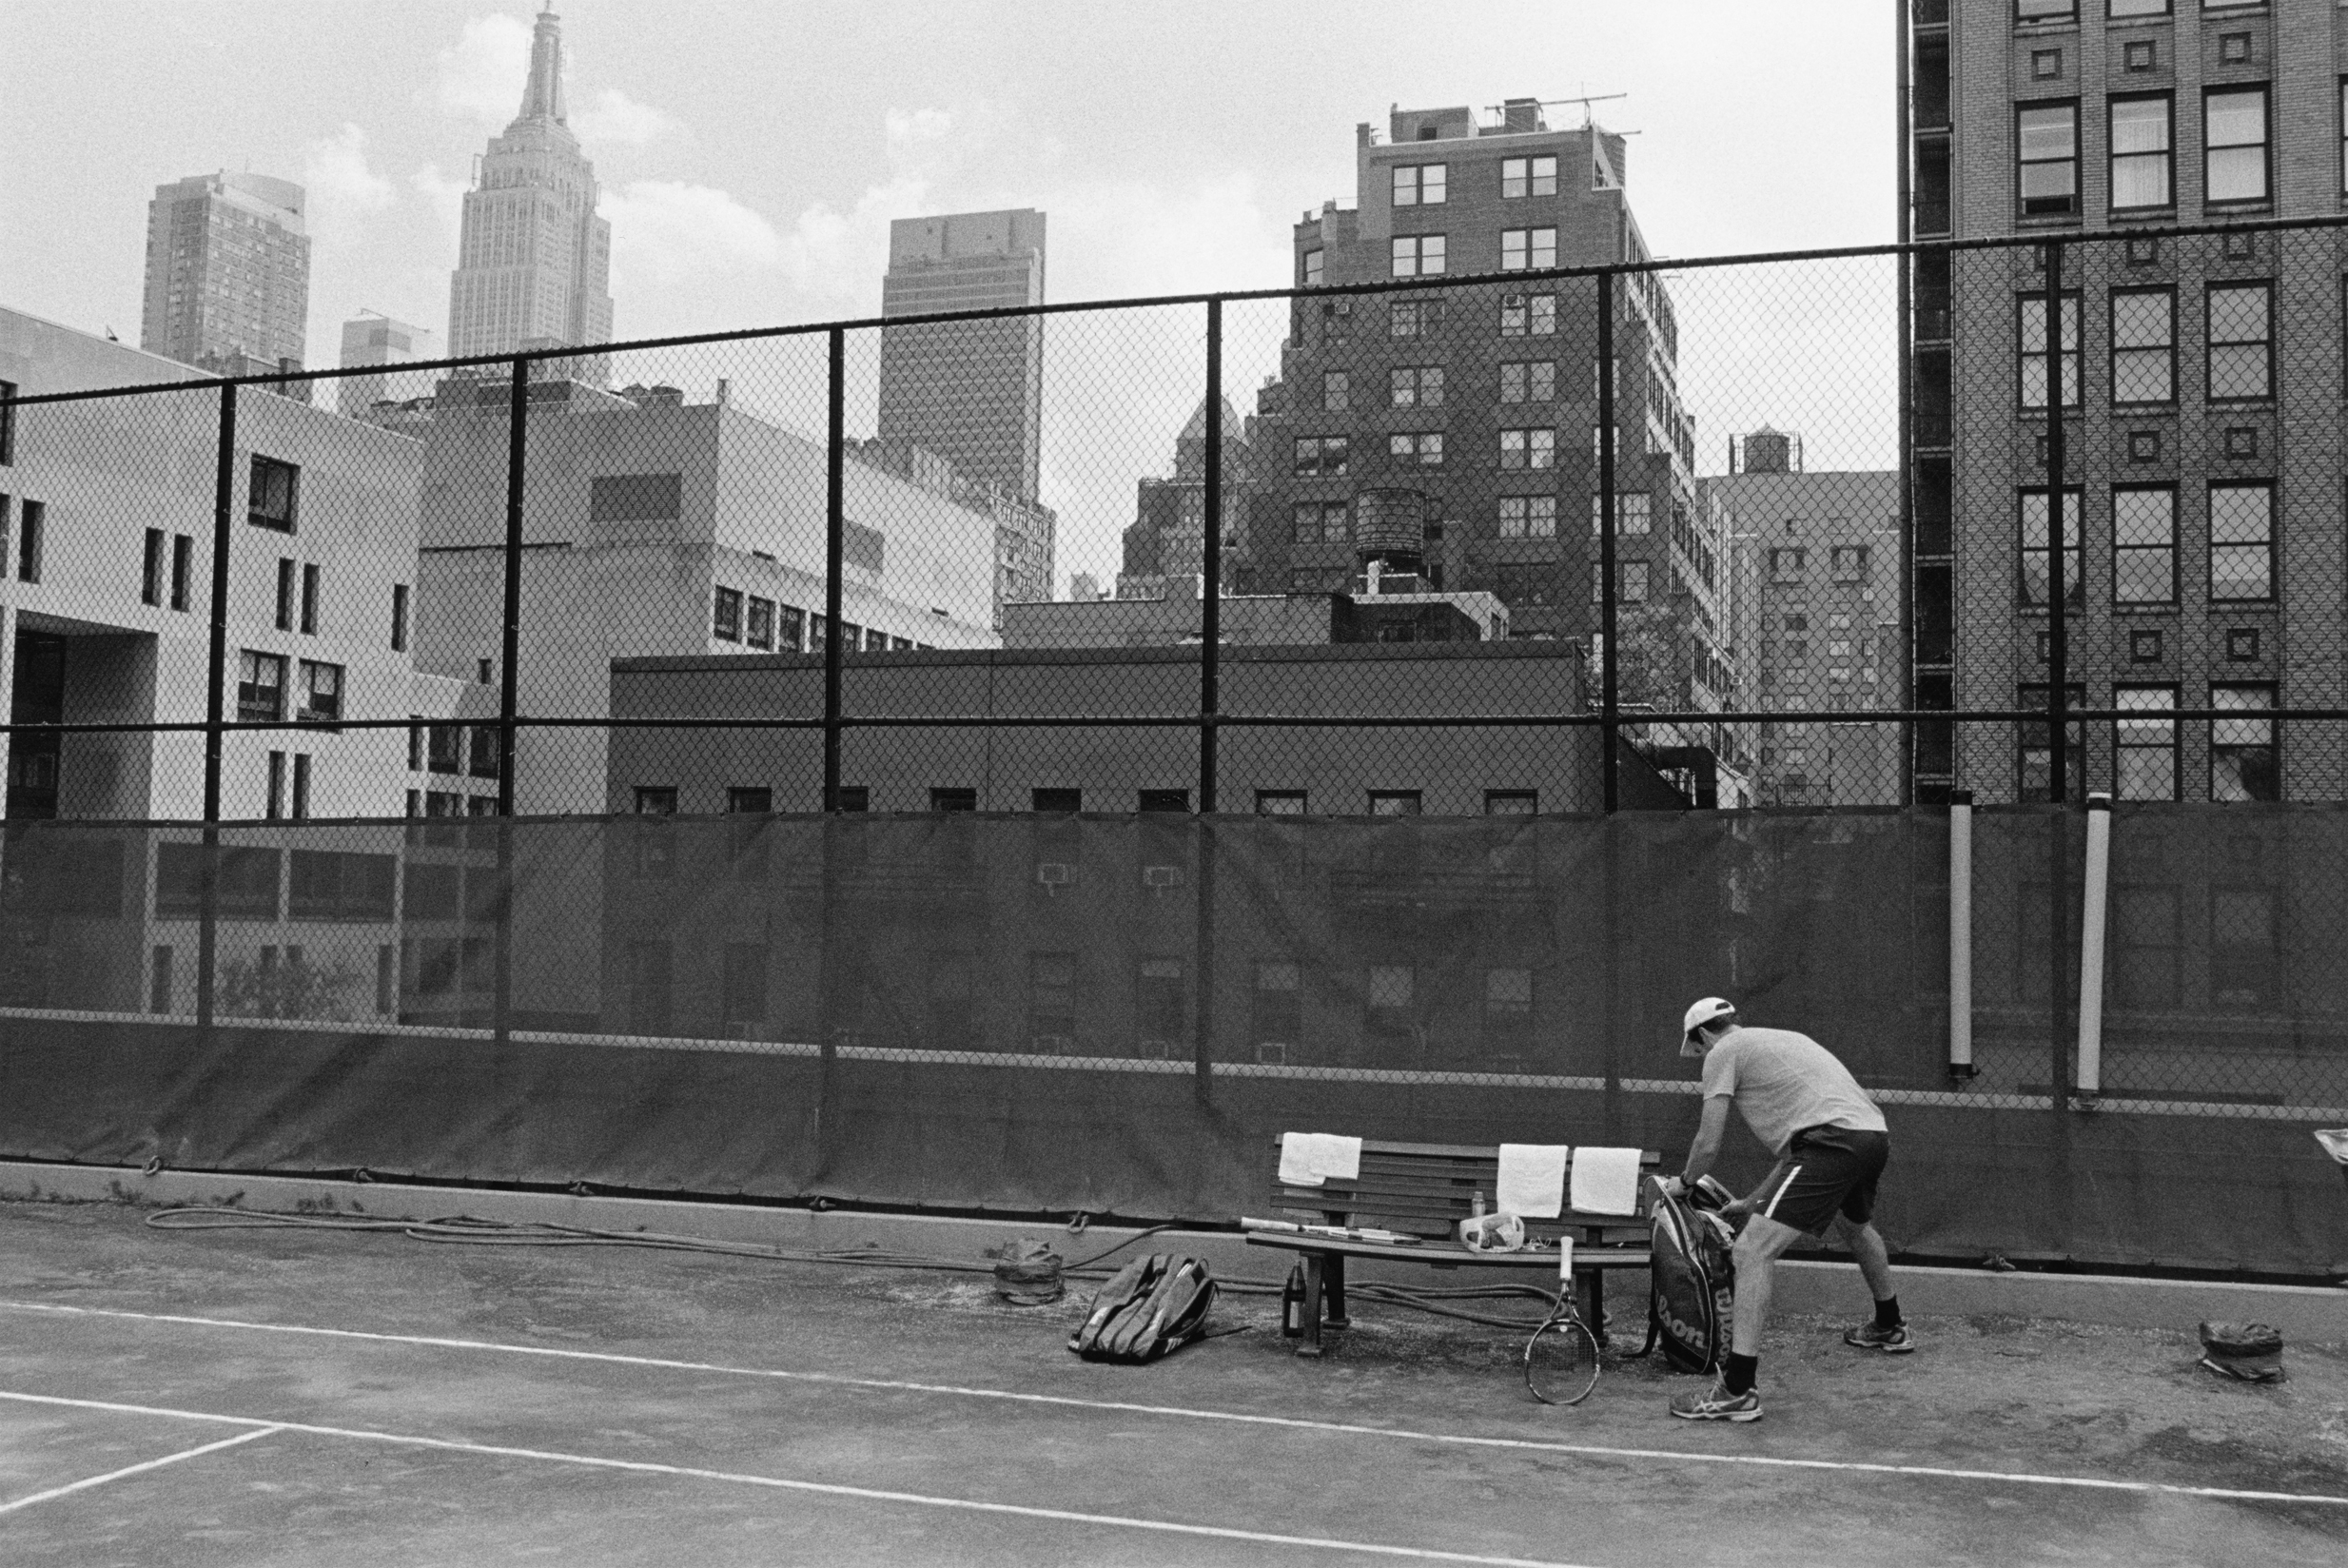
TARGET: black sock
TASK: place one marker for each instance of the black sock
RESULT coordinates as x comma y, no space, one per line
1737,1373
1887,1313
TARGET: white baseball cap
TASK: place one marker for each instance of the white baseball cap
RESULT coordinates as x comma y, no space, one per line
1710,1010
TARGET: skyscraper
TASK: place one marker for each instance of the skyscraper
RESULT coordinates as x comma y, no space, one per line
534,262
376,339
228,274
971,392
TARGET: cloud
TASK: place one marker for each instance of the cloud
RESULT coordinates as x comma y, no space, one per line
905,129
442,194
344,192
616,119
484,76
666,232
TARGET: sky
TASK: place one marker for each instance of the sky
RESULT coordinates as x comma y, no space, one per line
752,152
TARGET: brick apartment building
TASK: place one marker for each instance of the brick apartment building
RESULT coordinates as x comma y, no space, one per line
1457,426
2201,542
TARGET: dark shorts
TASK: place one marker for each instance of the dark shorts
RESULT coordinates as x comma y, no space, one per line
1830,1170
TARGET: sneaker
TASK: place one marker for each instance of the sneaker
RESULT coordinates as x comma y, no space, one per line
1717,1403
1891,1342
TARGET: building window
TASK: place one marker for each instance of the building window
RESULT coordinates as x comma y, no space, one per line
32,516
1527,587
1420,184
1533,380
1279,1013
1280,802
1334,386
2234,139
482,750
1327,455
1418,255
759,629
2138,8
445,747
2141,174
2145,743
183,550
1416,386
398,618
2047,159
1425,450
300,802
1528,315
2241,358
1394,802
273,802
1414,318
1313,272
2035,532
309,599
285,581
726,618
1321,522
2242,760
2144,533
1511,802
272,494
1634,515
2045,10
8,423
1786,564
1521,249
261,687
790,622
150,576
2033,349
2143,346
2241,541
1631,576
1527,517
1051,1002
321,692
2035,760
1528,450
1521,177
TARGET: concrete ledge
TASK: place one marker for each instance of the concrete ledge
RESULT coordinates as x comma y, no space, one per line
2316,1314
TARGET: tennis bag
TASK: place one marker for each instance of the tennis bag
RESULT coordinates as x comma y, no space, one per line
1694,1278
1150,1308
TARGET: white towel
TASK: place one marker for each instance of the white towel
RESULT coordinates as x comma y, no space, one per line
1532,1182
1309,1159
1605,1181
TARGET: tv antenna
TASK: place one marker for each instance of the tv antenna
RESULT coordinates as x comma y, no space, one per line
1556,102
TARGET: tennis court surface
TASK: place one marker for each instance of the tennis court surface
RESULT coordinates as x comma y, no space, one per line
258,1398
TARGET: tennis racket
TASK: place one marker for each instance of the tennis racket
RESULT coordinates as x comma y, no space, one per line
1561,1358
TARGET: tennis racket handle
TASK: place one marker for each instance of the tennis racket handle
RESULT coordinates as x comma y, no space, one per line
1565,1259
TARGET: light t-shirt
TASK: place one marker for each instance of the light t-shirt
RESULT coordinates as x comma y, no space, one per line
1784,1082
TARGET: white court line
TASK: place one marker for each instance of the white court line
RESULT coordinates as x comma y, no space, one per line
1187,1413
869,1494
135,1469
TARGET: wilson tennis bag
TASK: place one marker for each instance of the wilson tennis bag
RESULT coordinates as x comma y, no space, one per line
1694,1278
1150,1308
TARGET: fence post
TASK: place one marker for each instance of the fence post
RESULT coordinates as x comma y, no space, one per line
1904,307
509,659
1610,686
215,704
2089,1078
2058,672
835,531
1210,705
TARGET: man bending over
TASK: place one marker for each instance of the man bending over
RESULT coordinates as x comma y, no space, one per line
1831,1146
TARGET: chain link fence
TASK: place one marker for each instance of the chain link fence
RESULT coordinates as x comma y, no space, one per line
1383,704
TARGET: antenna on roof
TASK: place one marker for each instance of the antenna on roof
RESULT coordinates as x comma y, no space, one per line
1584,101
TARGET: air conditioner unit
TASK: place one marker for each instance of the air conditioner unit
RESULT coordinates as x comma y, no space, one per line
1055,874
1161,876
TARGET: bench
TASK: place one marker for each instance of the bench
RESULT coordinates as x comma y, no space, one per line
1426,1190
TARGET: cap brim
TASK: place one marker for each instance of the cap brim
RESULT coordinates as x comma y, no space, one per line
1688,1046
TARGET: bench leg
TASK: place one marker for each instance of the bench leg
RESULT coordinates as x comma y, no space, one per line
1311,1345
1335,1288
1589,1287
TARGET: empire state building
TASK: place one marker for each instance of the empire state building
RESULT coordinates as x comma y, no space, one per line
534,262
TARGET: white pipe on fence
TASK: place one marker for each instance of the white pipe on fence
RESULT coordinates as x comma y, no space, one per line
1961,934
2089,1077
